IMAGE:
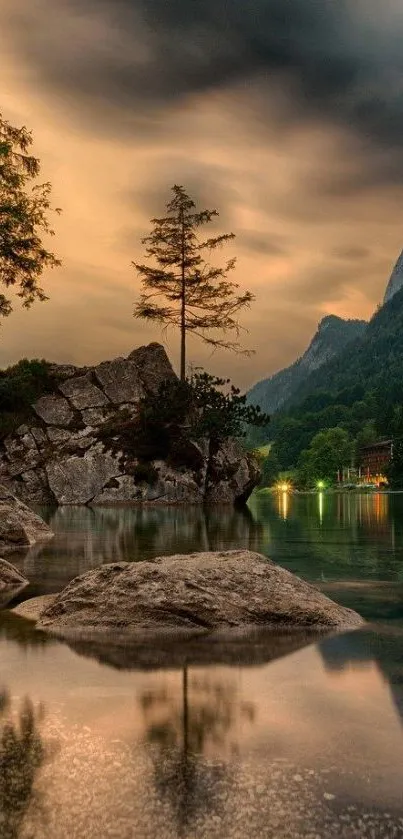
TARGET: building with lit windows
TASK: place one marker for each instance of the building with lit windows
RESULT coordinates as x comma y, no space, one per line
374,462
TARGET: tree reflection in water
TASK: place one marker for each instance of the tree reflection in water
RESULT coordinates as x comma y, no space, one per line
181,731
22,753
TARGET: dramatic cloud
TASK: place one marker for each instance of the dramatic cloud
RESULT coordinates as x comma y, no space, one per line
342,60
287,115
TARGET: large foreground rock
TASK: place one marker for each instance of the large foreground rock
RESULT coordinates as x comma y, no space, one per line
20,527
11,582
201,592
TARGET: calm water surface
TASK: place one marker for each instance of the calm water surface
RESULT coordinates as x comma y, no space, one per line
307,745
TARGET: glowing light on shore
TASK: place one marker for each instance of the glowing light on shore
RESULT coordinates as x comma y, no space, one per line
283,487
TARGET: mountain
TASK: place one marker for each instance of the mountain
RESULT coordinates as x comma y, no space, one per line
332,336
396,280
369,362
360,389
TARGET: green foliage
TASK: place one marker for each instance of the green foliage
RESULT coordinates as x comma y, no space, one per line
203,405
360,391
20,386
269,465
284,387
394,473
197,297
180,413
23,219
327,453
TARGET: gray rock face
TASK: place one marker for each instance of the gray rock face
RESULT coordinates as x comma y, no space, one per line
154,365
11,583
79,449
120,380
232,475
83,393
19,526
54,410
396,280
77,480
202,592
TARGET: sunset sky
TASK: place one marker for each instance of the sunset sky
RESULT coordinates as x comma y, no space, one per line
286,115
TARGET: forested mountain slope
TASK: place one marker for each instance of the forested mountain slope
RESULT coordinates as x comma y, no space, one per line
361,389
333,334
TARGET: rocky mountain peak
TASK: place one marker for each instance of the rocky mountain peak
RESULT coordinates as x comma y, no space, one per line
396,280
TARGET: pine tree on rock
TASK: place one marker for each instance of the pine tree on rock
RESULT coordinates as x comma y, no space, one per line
23,219
198,297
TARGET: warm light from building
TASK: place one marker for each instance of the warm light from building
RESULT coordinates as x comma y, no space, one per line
321,485
283,487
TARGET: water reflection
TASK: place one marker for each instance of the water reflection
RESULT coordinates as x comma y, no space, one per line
22,632
180,730
358,649
22,753
321,504
87,537
309,745
334,536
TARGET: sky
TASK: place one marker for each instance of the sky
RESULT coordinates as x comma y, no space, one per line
285,115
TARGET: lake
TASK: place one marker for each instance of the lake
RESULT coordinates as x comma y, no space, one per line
308,744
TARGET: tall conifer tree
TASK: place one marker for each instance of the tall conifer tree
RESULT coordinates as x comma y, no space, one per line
198,297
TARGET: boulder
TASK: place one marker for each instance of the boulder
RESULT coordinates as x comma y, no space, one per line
11,583
20,527
196,593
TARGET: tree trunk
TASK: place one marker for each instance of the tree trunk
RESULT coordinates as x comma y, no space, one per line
183,304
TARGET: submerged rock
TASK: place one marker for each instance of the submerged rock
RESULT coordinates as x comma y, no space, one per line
20,527
11,582
195,593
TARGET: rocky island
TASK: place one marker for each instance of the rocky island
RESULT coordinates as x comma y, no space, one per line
78,443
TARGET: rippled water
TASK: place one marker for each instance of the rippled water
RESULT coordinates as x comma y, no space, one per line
307,745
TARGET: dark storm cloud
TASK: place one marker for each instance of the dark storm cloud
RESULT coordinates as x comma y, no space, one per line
338,59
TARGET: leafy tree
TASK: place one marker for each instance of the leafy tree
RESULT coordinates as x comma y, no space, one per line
365,437
23,218
20,386
270,468
327,453
198,297
394,472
